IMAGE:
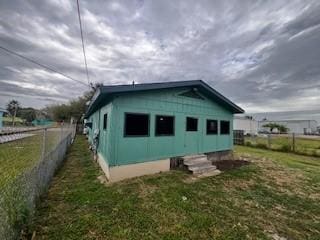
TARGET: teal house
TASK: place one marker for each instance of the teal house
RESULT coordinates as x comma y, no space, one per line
136,129
2,111
41,122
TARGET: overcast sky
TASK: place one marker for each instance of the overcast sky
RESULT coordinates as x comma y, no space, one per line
263,55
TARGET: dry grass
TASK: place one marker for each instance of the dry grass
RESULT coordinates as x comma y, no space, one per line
276,195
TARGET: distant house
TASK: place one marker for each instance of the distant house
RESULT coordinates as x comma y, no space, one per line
41,122
2,111
294,126
245,123
136,129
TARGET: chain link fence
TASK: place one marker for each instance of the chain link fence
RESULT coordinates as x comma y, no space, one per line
28,161
300,144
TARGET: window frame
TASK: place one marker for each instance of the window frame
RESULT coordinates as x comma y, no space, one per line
105,122
217,122
221,127
186,129
155,126
125,123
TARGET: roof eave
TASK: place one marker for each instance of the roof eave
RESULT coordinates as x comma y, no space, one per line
93,102
154,86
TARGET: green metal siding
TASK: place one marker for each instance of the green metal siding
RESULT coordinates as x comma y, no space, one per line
127,150
104,147
1,119
105,135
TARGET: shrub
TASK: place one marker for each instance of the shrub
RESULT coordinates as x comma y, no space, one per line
249,144
262,145
316,153
285,148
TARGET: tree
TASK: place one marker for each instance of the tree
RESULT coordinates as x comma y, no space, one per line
28,114
13,107
283,129
75,108
271,126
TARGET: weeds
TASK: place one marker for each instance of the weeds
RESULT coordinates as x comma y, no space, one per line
269,196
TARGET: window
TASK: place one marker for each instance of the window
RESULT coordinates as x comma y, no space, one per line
136,124
164,126
212,126
105,121
192,124
224,127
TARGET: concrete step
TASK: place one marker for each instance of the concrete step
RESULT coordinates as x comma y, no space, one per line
195,156
202,169
198,164
195,161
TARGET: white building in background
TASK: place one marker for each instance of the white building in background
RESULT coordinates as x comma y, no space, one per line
294,126
245,123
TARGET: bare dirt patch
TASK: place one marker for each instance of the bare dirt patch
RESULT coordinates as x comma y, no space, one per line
225,165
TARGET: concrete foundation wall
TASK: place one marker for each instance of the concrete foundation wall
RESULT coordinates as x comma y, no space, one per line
119,173
220,155
104,165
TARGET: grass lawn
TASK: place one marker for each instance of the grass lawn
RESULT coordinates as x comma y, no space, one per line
278,196
303,145
20,155
9,119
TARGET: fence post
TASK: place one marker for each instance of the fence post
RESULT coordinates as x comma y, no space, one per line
61,132
269,141
293,142
44,138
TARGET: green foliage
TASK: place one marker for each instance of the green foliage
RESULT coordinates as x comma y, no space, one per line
75,108
303,146
20,115
261,145
9,119
281,128
285,148
28,114
12,107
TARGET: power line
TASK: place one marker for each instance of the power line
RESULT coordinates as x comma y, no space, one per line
40,64
83,48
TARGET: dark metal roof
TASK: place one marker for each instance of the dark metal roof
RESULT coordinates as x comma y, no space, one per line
105,93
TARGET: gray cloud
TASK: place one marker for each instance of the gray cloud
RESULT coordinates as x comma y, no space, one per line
263,55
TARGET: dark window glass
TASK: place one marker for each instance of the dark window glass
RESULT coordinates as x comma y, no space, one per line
136,124
164,125
224,127
105,121
192,124
212,126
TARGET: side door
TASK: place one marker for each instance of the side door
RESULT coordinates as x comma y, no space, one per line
192,134
103,133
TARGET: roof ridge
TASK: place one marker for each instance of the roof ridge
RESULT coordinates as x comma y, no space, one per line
151,83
